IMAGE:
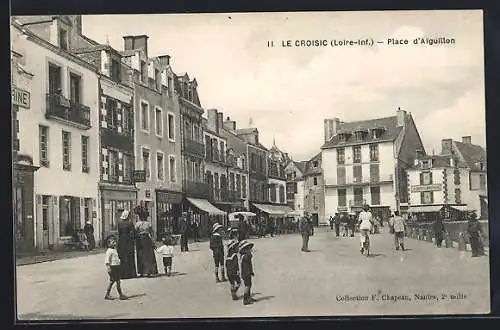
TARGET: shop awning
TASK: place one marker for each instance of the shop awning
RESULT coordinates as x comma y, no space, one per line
425,208
204,205
275,210
460,207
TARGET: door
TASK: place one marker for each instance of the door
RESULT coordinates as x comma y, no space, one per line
45,222
315,219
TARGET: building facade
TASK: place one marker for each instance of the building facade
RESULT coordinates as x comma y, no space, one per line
295,185
365,162
61,132
314,191
455,178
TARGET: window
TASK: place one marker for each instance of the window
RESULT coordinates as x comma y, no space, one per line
315,181
244,187
374,173
456,176
85,154
172,171
160,166
341,175
170,86
377,133
146,166
128,167
44,145
158,79
273,193
112,165
340,155
357,173
222,150
145,116
111,113
342,137
375,194
69,215
374,152
63,39
55,78
426,178
357,154
342,195
144,72
426,164
427,197
126,119
359,135
458,196
66,143
75,83
482,181
158,122
171,127
115,73
315,163
238,186
87,209
282,194
358,196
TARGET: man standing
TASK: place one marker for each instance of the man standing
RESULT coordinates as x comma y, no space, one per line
439,230
331,222
399,225
475,235
183,230
337,220
305,231
88,229
365,221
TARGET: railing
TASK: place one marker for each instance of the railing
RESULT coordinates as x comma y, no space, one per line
363,180
195,188
357,202
60,107
194,147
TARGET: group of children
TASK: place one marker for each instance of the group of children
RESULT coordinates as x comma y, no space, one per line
234,274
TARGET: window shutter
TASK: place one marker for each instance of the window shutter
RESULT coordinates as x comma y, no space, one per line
422,180
430,177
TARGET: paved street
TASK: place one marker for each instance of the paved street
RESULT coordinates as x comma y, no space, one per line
287,283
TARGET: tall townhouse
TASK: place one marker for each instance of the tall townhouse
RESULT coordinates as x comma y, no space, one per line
238,166
315,191
366,162
276,162
60,131
157,147
448,184
195,188
117,190
295,193
22,163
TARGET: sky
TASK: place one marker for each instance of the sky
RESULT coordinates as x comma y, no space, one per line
287,92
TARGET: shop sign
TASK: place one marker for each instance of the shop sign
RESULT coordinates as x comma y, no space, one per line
20,98
139,176
426,187
168,197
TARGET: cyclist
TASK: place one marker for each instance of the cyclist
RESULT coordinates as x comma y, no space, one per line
365,222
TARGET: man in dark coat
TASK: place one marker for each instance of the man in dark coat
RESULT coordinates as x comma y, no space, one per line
88,229
475,233
183,230
439,230
305,231
217,247
245,249
337,220
242,229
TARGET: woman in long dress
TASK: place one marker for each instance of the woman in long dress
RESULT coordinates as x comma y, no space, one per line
146,259
126,248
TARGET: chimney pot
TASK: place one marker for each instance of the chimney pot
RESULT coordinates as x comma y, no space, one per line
401,117
164,61
220,121
229,124
467,139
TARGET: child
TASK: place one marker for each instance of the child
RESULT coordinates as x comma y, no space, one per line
112,261
167,253
232,269
245,249
217,247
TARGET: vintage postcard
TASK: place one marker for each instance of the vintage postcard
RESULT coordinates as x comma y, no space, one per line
249,165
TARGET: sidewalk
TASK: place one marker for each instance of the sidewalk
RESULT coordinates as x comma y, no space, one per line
45,256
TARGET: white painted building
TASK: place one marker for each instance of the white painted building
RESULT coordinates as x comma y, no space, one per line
60,131
295,186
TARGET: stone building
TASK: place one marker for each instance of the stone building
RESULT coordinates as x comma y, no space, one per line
314,191
295,186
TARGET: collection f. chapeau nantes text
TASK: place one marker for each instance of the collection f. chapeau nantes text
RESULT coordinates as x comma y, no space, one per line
386,297
364,42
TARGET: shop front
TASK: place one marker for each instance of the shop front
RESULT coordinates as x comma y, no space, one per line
168,212
114,199
204,213
429,213
277,215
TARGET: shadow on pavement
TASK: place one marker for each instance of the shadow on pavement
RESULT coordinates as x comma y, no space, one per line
33,317
171,275
374,255
263,298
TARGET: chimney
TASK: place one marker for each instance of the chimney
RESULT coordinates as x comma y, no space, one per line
164,61
446,146
220,121
76,21
401,117
229,124
136,42
331,127
467,139
212,121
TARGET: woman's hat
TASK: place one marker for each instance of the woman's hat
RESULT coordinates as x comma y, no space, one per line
88,223
245,245
124,215
216,227
232,245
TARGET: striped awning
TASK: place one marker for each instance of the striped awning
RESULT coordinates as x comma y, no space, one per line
275,210
205,206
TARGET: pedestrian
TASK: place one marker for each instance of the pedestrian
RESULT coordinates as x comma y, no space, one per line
232,268
439,230
217,247
475,235
88,229
399,225
365,222
337,220
112,262
183,230
351,224
245,249
196,234
243,228
166,251
126,247
305,231
146,260
331,222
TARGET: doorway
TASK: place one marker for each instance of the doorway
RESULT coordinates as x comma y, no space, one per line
45,222
315,219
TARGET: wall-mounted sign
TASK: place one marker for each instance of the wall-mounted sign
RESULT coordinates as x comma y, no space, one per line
20,98
426,187
139,176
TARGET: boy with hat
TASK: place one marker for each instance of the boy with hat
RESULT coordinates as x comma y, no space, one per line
217,247
232,269
245,249
112,262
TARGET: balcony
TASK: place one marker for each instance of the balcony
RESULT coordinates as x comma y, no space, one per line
194,148
196,189
362,181
68,112
234,196
357,203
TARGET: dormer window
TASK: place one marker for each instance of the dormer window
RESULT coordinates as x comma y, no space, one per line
360,134
342,137
315,163
377,132
63,39
426,164
115,72
144,72
158,79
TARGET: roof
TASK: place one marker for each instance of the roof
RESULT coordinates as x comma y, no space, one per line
390,133
241,131
310,169
437,161
471,153
127,53
301,165
23,20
